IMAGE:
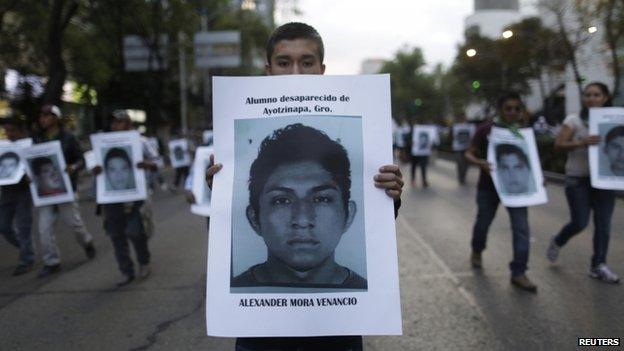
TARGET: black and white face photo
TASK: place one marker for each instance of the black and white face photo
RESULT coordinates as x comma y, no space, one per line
614,150
48,176
9,161
178,153
423,140
118,169
463,137
300,205
514,170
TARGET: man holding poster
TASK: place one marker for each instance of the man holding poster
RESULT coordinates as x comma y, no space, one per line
123,186
510,109
296,48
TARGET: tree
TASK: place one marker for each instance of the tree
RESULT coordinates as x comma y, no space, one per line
415,96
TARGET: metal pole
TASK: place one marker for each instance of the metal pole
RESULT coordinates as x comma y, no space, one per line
183,104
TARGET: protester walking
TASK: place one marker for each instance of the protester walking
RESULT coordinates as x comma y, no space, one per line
582,197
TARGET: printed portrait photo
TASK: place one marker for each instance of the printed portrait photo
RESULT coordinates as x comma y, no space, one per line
297,218
423,140
611,154
513,168
462,138
118,168
9,163
48,176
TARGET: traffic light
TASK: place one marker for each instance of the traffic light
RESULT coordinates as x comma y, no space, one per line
418,102
476,84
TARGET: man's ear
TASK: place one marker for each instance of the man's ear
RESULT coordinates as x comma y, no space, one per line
267,69
252,217
322,68
351,210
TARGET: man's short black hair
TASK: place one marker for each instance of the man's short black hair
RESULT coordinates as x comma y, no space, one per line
9,154
614,133
510,149
18,122
510,95
298,143
292,31
38,162
117,152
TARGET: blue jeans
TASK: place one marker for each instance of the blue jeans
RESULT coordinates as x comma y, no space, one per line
20,208
582,199
487,202
324,343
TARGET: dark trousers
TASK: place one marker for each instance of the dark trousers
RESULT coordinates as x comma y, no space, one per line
18,209
487,203
325,343
421,161
180,175
582,199
462,166
122,224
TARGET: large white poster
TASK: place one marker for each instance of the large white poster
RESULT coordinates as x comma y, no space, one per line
179,153
423,139
201,191
517,172
299,235
606,160
11,165
121,180
45,166
462,134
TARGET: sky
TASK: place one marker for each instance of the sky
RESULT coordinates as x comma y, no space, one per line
354,30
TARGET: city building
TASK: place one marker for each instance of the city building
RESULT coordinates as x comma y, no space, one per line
490,17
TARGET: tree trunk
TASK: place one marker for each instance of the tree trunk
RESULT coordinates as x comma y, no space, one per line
613,36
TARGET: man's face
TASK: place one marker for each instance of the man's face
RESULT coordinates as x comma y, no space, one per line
423,140
514,174
50,177
119,173
47,120
120,125
13,132
511,111
302,216
615,152
7,167
298,56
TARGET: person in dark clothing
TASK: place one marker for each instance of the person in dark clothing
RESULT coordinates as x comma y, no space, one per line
52,129
510,107
16,207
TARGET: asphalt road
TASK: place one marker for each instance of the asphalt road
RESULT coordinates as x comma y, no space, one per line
446,305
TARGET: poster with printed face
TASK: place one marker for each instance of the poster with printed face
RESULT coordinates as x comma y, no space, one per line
606,160
462,134
207,138
11,166
423,139
118,153
310,242
89,158
516,168
45,166
179,153
201,191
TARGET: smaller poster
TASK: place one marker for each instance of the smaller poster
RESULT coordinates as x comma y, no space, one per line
179,153
45,166
153,143
517,172
121,180
423,139
207,137
606,160
11,165
201,191
462,134
89,158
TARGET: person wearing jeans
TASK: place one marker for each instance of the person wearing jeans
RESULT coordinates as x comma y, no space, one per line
487,202
582,197
510,110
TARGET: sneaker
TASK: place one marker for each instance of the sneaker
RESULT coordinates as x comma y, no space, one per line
22,269
524,283
128,280
475,260
90,251
602,272
49,270
144,271
553,251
